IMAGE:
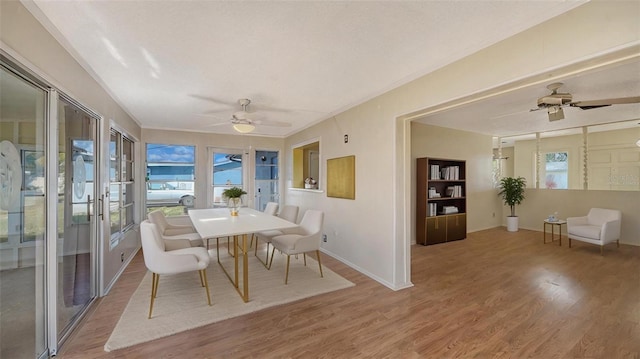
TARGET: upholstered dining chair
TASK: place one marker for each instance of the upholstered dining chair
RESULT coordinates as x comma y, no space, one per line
176,236
162,262
307,239
288,213
600,226
270,208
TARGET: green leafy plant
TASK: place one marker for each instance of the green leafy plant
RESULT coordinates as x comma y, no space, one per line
512,191
233,192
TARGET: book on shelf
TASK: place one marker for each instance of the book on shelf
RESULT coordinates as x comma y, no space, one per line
450,173
435,172
454,191
449,209
433,209
433,193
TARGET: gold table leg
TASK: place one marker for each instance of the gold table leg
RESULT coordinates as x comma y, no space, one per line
244,293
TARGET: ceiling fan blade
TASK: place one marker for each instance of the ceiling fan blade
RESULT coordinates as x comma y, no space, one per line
213,99
273,123
214,111
217,124
587,105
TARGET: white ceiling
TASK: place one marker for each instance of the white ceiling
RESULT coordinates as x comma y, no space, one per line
299,62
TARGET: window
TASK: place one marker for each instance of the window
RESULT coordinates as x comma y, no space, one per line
170,178
306,166
555,171
227,172
121,185
266,183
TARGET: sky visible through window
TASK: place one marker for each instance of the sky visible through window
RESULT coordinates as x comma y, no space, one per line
176,162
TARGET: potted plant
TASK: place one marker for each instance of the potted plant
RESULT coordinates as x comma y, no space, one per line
512,192
234,199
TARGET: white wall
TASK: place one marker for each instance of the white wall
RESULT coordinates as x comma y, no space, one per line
539,203
484,208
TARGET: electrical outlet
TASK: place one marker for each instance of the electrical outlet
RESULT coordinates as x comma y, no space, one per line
324,237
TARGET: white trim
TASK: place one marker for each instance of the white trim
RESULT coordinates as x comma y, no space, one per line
51,228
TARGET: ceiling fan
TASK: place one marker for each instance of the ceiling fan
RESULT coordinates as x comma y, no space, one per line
555,101
244,121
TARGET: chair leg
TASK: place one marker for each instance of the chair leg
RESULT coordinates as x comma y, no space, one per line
286,275
266,259
202,280
154,291
319,264
304,255
618,243
203,275
569,242
255,250
601,250
273,252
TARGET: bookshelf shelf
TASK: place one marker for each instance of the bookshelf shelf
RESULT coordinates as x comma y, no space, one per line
441,200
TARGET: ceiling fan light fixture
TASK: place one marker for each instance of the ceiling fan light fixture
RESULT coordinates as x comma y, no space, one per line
555,113
244,127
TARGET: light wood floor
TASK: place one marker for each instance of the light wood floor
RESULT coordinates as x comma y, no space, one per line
494,295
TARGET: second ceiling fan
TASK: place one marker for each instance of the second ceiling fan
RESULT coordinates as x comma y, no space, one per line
555,101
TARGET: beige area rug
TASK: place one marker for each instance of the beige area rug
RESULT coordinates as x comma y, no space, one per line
182,303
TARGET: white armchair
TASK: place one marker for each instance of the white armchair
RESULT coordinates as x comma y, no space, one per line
271,208
288,213
307,239
600,226
159,261
176,235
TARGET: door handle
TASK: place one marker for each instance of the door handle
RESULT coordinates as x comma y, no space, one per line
88,208
101,207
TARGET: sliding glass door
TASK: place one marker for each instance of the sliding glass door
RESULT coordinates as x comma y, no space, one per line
48,213
77,209
23,194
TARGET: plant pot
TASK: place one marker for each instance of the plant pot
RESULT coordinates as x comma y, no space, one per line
512,223
234,205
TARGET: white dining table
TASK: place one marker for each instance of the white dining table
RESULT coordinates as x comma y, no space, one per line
218,222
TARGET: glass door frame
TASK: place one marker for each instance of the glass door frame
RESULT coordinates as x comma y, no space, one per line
246,174
278,183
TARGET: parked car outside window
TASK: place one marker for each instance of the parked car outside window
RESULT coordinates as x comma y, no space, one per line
164,193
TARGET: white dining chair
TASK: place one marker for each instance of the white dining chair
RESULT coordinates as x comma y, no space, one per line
271,208
288,213
162,262
306,239
176,236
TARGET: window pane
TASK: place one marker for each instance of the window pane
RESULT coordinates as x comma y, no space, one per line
170,176
114,208
227,172
127,160
555,170
114,150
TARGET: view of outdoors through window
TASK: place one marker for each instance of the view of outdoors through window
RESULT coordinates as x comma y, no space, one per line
555,170
170,178
227,172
